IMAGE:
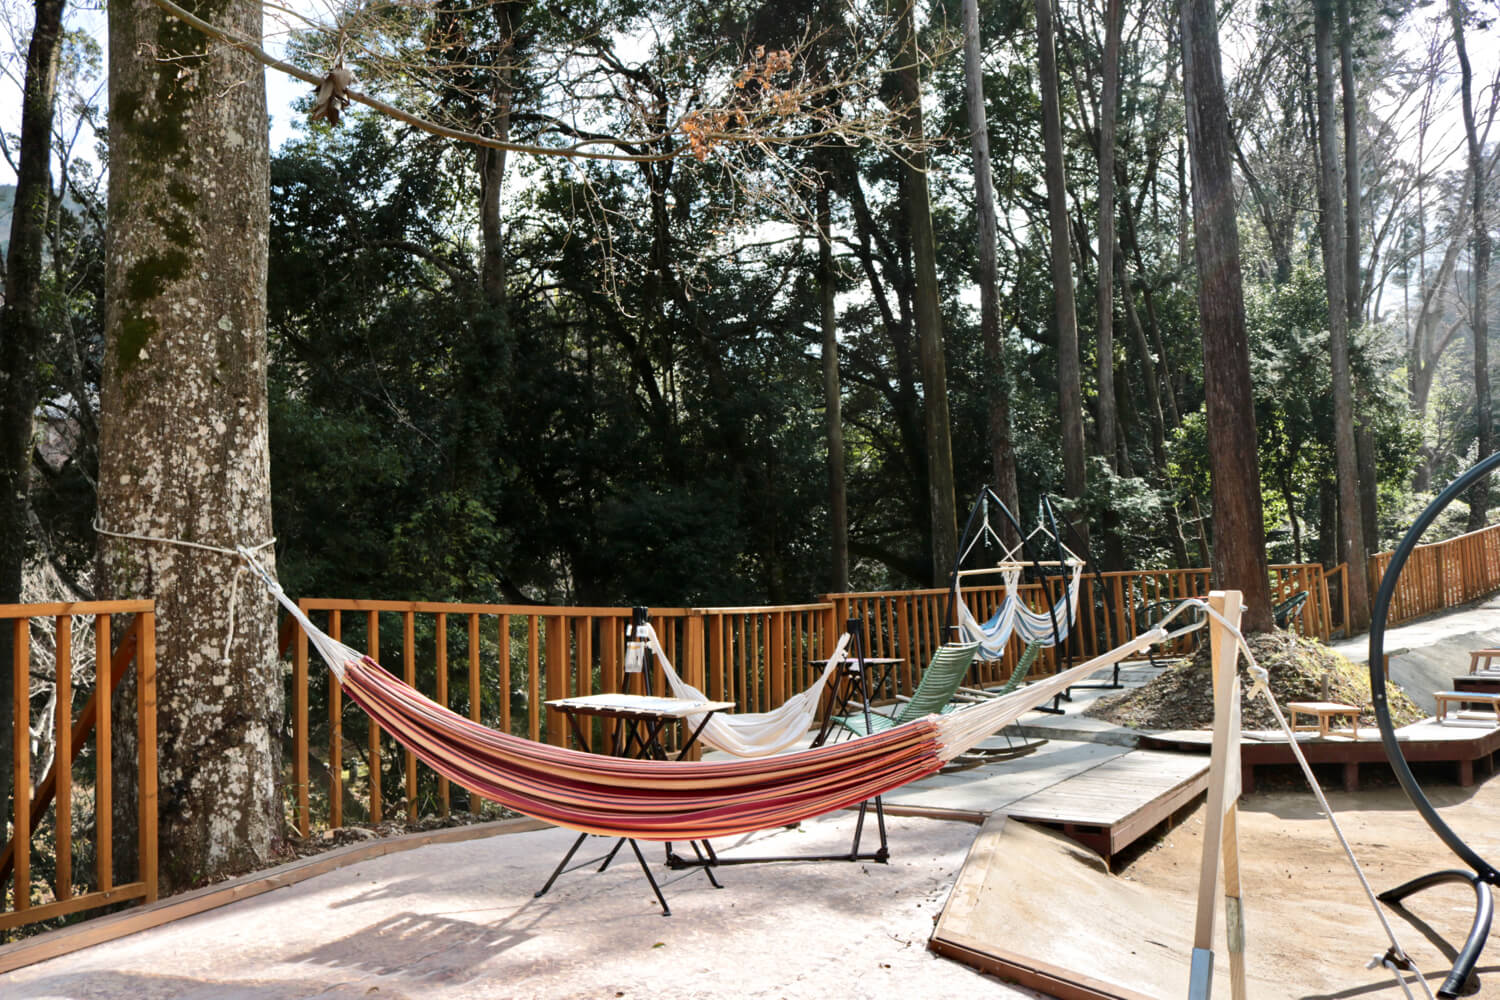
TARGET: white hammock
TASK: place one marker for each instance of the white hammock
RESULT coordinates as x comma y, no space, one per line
750,734
1014,616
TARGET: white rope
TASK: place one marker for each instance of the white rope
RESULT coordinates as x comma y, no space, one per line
1392,959
234,581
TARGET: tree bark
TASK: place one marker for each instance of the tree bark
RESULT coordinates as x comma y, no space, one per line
1331,229
1479,496
183,440
1107,442
997,388
942,507
833,421
1239,545
23,335
1352,282
1070,380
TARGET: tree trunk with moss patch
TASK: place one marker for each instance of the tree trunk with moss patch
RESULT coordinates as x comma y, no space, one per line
183,438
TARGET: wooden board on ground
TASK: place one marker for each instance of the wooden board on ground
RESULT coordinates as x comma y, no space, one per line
974,927
1114,804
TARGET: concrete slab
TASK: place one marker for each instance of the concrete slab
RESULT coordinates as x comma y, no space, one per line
458,921
1426,655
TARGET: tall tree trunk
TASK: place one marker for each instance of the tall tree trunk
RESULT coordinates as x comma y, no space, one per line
1239,550
1364,453
1352,282
833,421
22,337
182,451
1070,379
1108,443
997,388
1479,496
942,506
1331,228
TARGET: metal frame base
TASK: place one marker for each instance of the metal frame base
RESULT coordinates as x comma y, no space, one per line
1484,911
712,859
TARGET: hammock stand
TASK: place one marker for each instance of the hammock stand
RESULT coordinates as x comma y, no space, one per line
1480,873
709,858
979,531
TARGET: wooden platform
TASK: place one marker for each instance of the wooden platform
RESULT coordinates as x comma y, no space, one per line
1111,806
1461,743
973,930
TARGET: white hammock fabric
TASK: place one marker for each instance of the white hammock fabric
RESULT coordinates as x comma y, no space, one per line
1014,616
751,734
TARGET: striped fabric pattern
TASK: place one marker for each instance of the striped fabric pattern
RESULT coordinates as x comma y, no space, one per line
643,799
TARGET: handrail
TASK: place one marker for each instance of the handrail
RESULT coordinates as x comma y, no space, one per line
137,647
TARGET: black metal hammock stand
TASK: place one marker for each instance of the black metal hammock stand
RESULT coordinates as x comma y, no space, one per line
980,533
1480,874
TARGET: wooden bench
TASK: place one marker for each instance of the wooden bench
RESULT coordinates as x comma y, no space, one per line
1488,656
1444,698
1325,711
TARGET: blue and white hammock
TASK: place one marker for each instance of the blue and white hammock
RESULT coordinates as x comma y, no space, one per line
1045,628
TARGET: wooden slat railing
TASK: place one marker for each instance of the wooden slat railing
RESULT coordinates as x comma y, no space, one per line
1442,574
137,648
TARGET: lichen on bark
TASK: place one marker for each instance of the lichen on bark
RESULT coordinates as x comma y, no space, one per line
183,440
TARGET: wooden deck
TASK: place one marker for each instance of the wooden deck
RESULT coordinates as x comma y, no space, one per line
1111,806
1461,742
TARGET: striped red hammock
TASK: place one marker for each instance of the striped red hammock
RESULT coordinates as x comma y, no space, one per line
671,800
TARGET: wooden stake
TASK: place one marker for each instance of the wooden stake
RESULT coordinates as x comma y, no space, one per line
1220,835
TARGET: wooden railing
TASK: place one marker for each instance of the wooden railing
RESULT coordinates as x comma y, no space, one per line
1443,574
74,776
500,664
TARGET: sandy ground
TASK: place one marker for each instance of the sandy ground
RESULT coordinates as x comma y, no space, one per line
1309,927
459,921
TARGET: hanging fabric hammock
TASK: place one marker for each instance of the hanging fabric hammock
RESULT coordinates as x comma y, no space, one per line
750,734
1045,628
670,800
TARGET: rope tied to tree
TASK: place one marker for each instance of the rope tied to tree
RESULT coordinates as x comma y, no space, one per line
237,553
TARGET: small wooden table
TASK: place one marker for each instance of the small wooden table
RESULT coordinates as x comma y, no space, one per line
647,716
1324,711
1444,698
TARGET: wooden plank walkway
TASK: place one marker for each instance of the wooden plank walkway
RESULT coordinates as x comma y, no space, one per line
1112,805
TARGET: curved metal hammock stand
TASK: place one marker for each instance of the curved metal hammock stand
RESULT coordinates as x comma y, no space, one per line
1480,874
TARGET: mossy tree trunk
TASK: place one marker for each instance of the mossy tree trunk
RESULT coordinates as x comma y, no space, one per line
183,438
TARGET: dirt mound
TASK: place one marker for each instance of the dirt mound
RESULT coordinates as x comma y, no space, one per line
1182,697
